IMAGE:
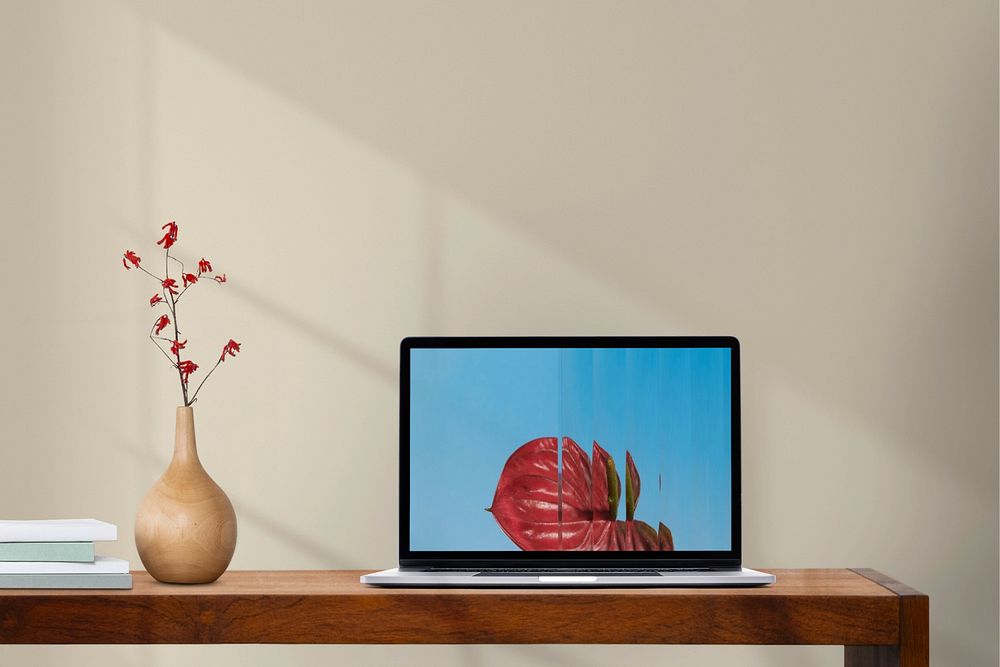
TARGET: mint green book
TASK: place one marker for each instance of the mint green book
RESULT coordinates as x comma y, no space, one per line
70,552
66,581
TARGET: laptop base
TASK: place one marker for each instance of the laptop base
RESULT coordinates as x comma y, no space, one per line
463,579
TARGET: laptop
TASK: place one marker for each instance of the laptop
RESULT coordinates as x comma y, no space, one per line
543,462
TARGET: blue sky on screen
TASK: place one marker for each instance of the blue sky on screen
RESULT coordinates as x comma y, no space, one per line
471,408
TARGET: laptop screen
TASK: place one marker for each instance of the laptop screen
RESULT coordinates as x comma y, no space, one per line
626,445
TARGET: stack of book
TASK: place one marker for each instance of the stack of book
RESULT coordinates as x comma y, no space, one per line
59,554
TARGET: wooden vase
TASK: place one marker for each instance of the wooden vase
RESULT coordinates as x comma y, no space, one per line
185,530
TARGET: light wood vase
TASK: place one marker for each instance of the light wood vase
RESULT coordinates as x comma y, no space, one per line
185,530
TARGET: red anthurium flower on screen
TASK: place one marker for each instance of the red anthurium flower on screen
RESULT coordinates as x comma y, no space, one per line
176,346
162,323
189,279
220,279
186,368
170,237
230,348
204,266
155,299
170,285
130,257
541,504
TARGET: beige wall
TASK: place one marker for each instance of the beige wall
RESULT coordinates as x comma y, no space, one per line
819,179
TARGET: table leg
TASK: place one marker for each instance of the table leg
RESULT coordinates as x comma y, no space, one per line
871,656
914,642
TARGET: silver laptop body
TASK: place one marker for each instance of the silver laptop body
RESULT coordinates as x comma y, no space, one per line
496,489
465,579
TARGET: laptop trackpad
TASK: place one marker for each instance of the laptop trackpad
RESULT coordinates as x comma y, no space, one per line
566,579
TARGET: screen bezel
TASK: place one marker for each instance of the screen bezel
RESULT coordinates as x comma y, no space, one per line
474,559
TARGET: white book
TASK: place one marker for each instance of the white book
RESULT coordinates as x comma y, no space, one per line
101,565
58,530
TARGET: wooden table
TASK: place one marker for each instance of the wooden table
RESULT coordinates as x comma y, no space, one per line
879,621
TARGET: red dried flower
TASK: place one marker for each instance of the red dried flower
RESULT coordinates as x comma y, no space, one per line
170,237
130,257
162,323
230,348
171,289
186,368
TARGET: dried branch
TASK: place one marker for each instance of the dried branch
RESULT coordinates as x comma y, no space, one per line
153,276
154,338
177,333
171,298
195,396
179,262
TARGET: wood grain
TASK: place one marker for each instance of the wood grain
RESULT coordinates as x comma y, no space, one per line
185,530
803,607
913,647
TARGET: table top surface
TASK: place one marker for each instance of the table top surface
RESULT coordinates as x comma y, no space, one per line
821,606
790,582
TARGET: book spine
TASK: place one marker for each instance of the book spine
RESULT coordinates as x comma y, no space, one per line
94,581
69,552
101,565
106,533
